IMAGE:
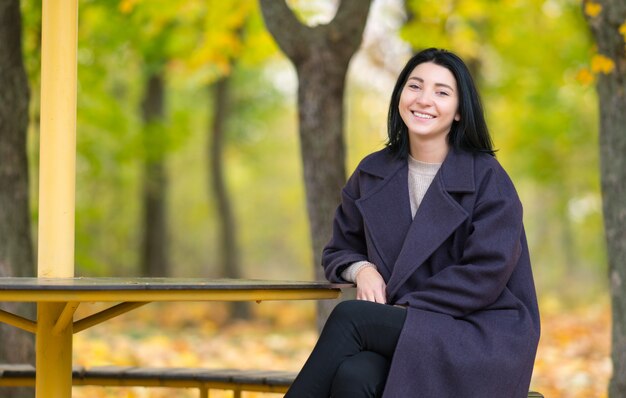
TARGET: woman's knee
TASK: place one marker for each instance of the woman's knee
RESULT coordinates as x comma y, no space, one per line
361,375
348,309
350,306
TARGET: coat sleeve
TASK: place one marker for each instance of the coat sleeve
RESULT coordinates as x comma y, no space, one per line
490,254
347,244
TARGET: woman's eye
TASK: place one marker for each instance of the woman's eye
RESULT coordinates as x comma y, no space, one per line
443,93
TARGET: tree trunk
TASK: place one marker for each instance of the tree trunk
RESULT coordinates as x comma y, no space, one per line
322,147
154,260
321,56
611,86
229,254
16,252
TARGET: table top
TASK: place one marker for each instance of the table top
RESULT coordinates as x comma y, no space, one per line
120,283
161,289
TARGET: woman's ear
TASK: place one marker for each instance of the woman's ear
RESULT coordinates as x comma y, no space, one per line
457,117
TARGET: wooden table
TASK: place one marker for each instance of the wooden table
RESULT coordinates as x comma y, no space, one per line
58,298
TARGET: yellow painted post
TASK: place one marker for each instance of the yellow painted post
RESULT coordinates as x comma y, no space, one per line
57,167
57,171
54,354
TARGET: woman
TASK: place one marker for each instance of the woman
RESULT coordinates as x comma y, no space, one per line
430,230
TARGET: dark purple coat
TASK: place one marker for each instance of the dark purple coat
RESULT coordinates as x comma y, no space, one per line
461,265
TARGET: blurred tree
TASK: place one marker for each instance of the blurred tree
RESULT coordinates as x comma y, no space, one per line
230,259
16,253
321,55
607,19
154,49
155,255
229,35
224,29
156,33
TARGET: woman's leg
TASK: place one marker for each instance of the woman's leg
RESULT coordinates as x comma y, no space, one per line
353,326
361,376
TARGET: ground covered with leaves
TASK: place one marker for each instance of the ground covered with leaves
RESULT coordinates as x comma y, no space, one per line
573,359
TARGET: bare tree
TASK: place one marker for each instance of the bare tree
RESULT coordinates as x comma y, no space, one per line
611,85
321,56
16,252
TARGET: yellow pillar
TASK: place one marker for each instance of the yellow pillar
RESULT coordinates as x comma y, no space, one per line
54,354
56,189
57,167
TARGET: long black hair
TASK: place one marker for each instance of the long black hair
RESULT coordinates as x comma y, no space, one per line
470,133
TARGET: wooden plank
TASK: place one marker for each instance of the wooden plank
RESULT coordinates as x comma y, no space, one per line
162,289
102,283
203,379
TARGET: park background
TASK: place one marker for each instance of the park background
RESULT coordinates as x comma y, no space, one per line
535,64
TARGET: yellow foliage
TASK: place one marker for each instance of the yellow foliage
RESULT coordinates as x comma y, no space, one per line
575,344
222,41
602,64
622,30
473,9
126,6
593,9
584,77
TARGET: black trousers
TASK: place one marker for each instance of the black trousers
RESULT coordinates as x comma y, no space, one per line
352,356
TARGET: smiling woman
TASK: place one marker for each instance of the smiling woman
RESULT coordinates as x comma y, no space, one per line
430,230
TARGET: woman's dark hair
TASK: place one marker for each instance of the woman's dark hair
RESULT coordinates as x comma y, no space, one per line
469,133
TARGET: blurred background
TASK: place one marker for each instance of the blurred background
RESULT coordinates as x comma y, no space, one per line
530,58
177,91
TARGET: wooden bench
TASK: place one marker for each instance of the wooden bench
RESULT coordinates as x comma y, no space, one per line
234,380
128,376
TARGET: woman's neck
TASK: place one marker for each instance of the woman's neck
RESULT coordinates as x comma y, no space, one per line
429,152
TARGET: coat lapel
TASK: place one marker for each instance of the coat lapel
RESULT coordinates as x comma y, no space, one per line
386,209
436,219
438,216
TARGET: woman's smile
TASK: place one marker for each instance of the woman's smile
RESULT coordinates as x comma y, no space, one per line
422,115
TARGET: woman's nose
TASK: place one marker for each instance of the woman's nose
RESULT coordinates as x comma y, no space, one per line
423,98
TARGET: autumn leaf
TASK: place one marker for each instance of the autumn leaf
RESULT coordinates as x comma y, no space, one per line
602,64
622,30
593,9
584,77
126,6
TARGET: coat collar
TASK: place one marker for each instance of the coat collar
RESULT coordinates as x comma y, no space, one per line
456,173
404,243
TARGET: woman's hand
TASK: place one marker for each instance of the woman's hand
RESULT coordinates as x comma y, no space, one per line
370,286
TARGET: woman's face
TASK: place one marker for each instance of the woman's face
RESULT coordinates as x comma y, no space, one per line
429,104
